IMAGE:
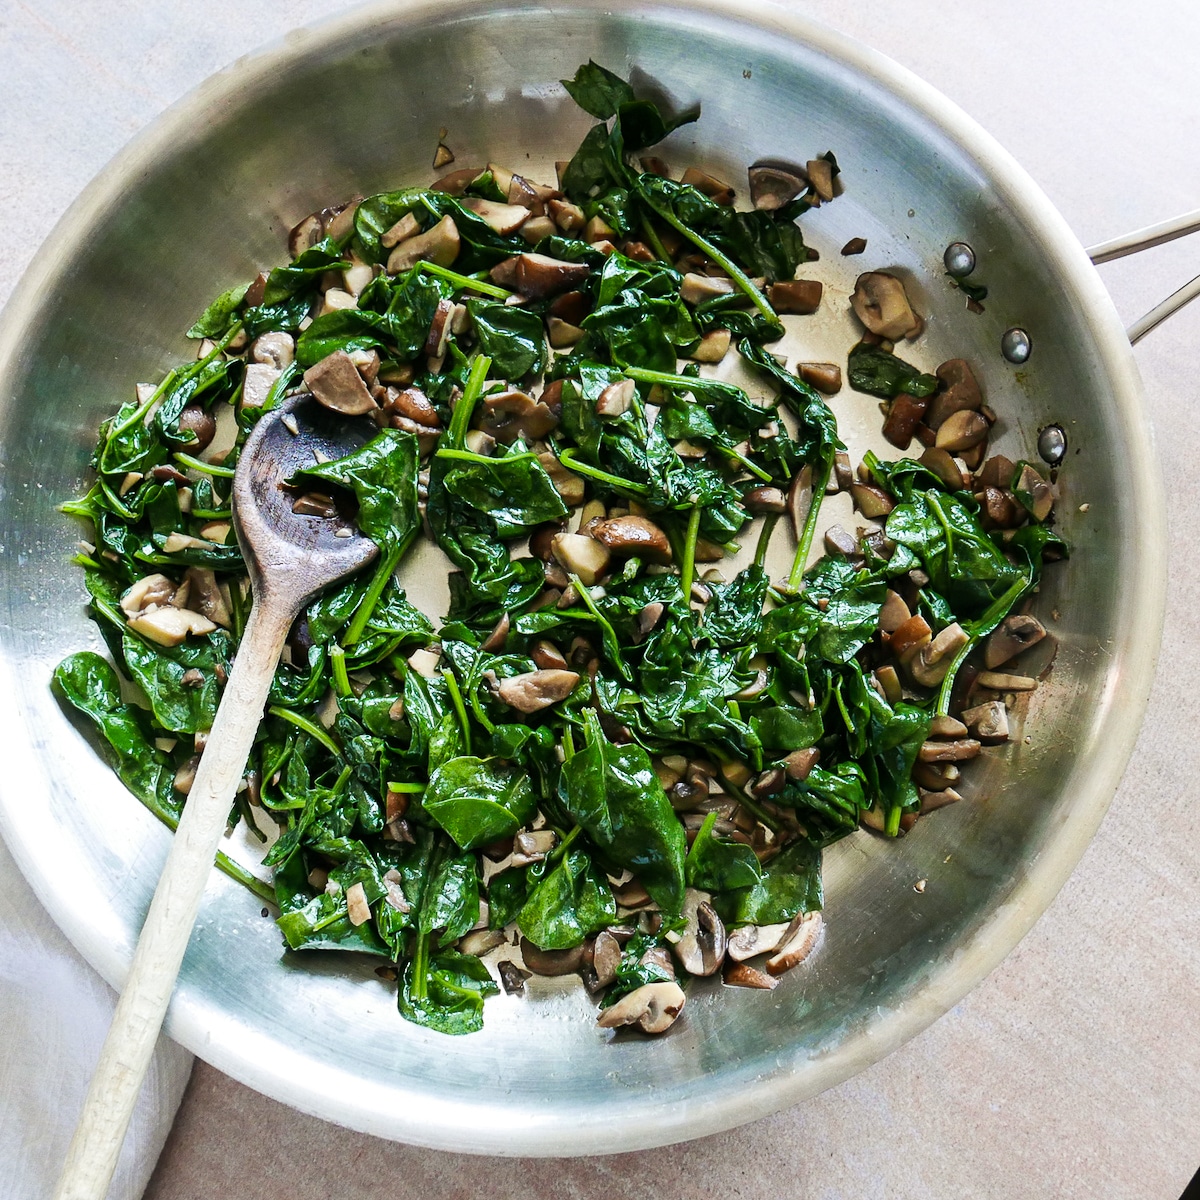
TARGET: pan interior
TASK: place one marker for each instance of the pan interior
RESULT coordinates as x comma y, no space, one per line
204,200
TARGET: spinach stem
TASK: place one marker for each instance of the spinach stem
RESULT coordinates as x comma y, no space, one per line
464,282
687,568
196,464
654,241
892,828
465,407
337,662
459,707
995,613
751,806
380,580
810,527
412,789
764,538
568,459
310,727
471,457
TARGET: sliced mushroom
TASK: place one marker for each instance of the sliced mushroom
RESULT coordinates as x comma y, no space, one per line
695,289
1015,633
889,683
532,846
943,752
802,296
305,234
798,943
535,690
962,430
479,941
648,619
606,956
539,275
514,414
439,329
931,662
910,637
932,801
744,975
438,245
871,501
935,776
701,947
856,245
455,183
772,187
713,346
551,962
257,383
547,655
407,227
151,591
988,722
512,978
881,304
170,626
581,555
357,908
314,504
999,509
503,218
996,681
1040,493
893,612
947,727
499,635
273,349
562,334
748,940
633,536
825,377
652,1008
800,498
336,384
997,472
414,404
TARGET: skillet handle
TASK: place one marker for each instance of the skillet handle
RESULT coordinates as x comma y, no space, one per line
1144,239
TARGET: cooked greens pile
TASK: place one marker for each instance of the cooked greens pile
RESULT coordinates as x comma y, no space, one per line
631,759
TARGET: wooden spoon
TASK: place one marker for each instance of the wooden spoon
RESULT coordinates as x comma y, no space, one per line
290,558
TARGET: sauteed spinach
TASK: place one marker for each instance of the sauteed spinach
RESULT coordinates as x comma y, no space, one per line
605,750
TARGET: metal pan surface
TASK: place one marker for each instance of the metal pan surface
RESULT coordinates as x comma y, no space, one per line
204,199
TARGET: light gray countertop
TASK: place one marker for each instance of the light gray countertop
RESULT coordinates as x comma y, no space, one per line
1074,1069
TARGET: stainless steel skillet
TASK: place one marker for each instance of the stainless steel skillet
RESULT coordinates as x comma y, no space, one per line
189,208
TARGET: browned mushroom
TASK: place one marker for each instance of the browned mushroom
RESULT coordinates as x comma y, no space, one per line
798,943
943,466
197,428
695,289
765,499
944,752
438,245
748,940
870,500
499,635
535,690
305,234
998,681
701,946
606,955
563,334
1015,633
855,245
999,509
168,626
910,637
539,275
413,404
744,975
904,414
652,1008
959,390
839,541
514,414
1040,493
881,304
336,384
825,377
616,399
205,595
801,296
633,536
712,347
772,187
151,591
962,431
551,962
997,472
569,486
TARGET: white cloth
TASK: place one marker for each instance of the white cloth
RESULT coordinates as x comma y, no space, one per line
54,1013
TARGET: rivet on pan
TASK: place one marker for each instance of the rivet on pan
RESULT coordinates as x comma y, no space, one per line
1052,444
959,259
1016,345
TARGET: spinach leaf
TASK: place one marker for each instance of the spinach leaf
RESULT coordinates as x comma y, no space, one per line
181,682
719,866
790,883
878,372
476,801
219,316
570,902
446,992
513,338
598,91
513,489
613,792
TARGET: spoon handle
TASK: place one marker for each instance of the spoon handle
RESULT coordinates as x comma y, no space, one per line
125,1056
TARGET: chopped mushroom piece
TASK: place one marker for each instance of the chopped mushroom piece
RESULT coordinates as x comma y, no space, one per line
408,226
512,977
798,943
962,431
170,626
616,399
438,245
1040,493
539,275
503,218
956,751
904,414
273,349
514,414
336,384
944,467
959,390
535,690
742,975
569,486
606,955
855,245
881,304
151,591
748,940
931,662
713,347
870,500
581,555
479,941
205,595
820,176
629,536
710,185
695,289
802,296
652,1008
551,962
947,727
825,377
998,682
988,722
765,499
701,947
